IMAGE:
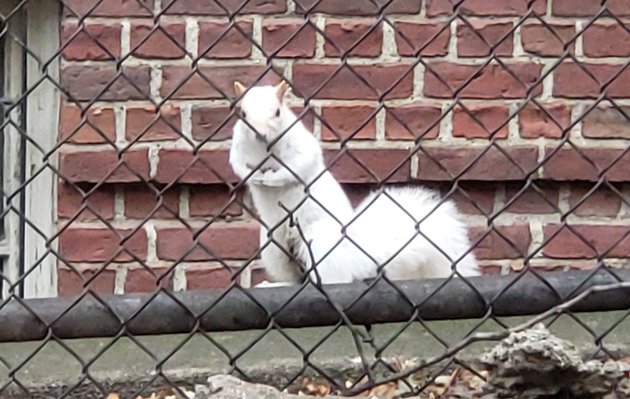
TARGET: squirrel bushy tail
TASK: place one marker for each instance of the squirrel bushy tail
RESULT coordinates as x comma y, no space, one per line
407,232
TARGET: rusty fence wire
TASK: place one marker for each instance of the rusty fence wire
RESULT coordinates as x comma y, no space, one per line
123,218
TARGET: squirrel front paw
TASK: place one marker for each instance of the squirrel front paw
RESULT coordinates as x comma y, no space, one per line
268,179
261,169
269,183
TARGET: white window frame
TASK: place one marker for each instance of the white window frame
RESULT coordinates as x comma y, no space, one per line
38,26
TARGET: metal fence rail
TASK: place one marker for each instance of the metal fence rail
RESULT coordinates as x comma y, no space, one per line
122,217
433,299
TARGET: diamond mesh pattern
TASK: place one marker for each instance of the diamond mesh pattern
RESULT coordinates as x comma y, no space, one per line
517,111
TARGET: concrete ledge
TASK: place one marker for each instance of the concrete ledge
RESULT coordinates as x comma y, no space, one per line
273,358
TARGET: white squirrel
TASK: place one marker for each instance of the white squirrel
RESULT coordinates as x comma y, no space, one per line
278,157
311,220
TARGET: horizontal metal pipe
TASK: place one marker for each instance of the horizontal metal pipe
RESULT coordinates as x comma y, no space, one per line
240,309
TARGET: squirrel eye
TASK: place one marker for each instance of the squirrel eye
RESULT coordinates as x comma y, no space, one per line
277,112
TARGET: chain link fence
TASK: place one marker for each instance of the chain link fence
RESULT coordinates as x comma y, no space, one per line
123,215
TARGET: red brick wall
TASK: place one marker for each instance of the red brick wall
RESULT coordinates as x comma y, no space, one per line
144,167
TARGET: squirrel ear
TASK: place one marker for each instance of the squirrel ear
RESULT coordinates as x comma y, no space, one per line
240,89
281,90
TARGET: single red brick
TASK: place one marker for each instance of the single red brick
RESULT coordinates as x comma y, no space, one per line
97,204
363,36
290,38
474,81
496,36
330,82
106,83
210,200
492,165
214,123
410,122
219,241
105,165
78,244
158,40
108,8
607,40
143,280
207,167
143,202
224,7
369,165
548,40
90,41
183,82
514,8
501,242
586,241
574,81
607,123
97,125
71,283
539,197
573,164
480,121
549,122
602,202
225,40
589,8
343,122
148,124
358,7
474,199
203,279
422,39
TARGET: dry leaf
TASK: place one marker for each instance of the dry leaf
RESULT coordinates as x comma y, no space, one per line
385,391
442,383
314,388
420,377
324,390
399,364
442,380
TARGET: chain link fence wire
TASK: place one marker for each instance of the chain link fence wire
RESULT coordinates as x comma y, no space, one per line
118,201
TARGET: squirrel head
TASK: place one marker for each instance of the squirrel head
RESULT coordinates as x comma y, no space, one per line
262,110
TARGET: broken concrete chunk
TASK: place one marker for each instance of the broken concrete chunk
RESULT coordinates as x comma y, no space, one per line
535,363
